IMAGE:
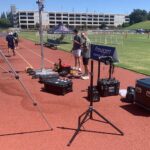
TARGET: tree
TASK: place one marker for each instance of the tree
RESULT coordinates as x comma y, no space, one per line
3,15
10,17
103,25
4,23
148,16
138,15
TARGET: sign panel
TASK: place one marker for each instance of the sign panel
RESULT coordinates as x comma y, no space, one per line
98,51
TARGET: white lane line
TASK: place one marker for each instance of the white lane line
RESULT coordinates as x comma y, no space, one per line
37,54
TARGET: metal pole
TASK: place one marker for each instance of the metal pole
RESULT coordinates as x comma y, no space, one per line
42,70
91,84
41,7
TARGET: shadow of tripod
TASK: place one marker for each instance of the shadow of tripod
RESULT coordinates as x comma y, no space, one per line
88,114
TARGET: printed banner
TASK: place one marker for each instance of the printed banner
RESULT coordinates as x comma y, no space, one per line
98,51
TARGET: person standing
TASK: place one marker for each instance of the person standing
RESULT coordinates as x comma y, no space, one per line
10,42
86,47
76,49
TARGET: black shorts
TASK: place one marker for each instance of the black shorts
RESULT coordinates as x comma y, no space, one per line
85,61
11,46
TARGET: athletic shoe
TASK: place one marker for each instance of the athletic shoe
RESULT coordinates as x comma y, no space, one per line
74,68
79,69
85,77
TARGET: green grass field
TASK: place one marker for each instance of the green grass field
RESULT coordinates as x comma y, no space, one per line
140,25
133,49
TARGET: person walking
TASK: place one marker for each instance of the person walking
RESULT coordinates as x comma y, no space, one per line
10,42
76,49
86,47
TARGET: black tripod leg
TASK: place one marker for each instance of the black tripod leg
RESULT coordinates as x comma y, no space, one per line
80,117
108,122
79,126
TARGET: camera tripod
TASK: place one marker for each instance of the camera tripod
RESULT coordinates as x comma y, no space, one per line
88,114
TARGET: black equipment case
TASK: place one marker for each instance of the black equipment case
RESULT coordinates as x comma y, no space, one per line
58,86
108,87
142,93
93,95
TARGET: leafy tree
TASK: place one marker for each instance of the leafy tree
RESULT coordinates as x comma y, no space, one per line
138,15
3,16
10,17
6,20
4,23
148,16
103,25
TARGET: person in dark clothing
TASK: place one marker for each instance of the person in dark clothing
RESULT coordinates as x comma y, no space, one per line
76,49
15,34
11,42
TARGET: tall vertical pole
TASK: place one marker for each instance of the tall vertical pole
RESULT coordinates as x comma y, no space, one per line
91,84
41,7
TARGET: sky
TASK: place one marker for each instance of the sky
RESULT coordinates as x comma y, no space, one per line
97,6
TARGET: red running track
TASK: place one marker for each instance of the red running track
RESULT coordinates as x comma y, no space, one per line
18,115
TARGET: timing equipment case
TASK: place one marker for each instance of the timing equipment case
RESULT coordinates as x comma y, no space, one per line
108,87
58,86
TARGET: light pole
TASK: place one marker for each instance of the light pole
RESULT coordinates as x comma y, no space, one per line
41,8
41,71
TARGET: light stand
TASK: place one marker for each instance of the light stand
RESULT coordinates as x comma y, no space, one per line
41,71
88,114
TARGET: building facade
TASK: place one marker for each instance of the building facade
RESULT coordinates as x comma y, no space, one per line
30,19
